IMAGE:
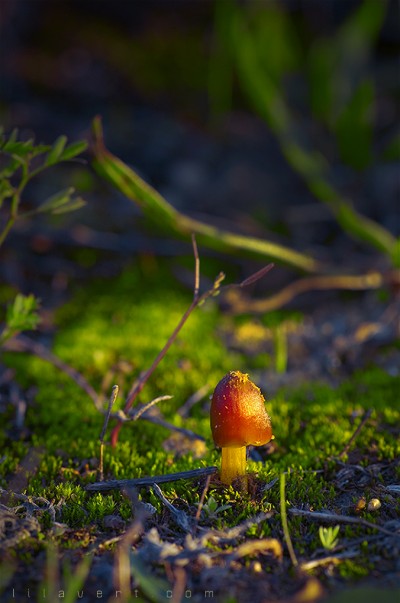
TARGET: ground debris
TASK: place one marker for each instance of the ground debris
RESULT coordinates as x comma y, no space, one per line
14,529
21,521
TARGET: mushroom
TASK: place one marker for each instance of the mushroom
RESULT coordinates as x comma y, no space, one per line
238,418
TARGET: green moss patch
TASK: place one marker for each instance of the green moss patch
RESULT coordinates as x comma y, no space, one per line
112,331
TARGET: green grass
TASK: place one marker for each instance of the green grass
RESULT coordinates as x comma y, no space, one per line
124,323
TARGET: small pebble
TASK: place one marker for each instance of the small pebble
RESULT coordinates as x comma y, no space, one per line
256,567
374,504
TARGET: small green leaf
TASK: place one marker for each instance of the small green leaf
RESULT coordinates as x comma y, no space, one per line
71,205
72,150
21,149
56,150
56,201
62,202
212,504
328,537
21,315
363,27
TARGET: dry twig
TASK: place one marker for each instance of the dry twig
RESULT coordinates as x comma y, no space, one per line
182,430
113,397
122,567
24,344
180,516
253,547
220,536
363,421
184,410
196,301
179,585
134,416
371,280
308,565
342,519
203,495
120,484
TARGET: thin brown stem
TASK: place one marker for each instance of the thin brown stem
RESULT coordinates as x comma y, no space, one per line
253,278
140,411
113,397
184,410
365,418
15,202
202,498
24,344
122,567
137,388
196,267
179,585
180,517
163,423
371,280
197,300
141,382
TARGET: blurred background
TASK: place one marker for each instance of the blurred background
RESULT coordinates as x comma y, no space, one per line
231,109
276,120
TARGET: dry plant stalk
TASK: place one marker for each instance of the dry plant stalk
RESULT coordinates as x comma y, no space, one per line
24,344
364,420
113,397
121,484
198,299
122,566
319,516
351,282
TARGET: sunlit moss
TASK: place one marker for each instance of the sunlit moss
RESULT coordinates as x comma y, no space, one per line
113,331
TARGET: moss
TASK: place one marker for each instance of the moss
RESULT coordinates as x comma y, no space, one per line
12,454
111,332
354,569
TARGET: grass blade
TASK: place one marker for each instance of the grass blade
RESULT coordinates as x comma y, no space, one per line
161,213
268,101
285,526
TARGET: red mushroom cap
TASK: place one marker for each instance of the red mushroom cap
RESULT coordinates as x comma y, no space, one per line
238,416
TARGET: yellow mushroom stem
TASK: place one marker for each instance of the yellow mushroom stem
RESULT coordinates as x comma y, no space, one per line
233,463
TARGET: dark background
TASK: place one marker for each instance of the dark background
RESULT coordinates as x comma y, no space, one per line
149,69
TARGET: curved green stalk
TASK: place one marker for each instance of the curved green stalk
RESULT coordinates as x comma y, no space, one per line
159,211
